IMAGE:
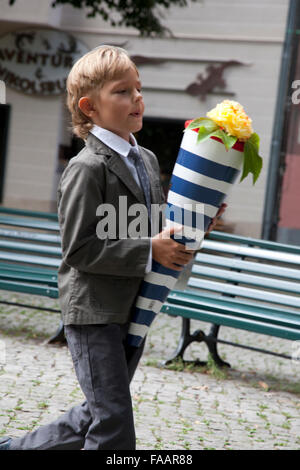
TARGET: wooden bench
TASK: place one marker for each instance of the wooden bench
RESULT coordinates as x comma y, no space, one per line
241,283
30,254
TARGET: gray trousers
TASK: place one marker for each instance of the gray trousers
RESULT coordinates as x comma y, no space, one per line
104,366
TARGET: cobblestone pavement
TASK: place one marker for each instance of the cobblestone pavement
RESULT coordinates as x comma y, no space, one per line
253,405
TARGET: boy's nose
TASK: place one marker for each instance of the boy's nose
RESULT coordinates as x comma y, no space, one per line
138,95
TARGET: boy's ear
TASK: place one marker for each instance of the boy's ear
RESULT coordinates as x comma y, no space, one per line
86,106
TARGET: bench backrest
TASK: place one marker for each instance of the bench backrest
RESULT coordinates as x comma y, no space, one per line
254,242
259,275
29,238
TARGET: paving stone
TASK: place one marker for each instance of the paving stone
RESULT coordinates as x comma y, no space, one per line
255,405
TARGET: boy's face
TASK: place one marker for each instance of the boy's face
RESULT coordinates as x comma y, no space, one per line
119,105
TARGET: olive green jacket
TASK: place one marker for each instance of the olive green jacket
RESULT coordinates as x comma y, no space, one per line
99,279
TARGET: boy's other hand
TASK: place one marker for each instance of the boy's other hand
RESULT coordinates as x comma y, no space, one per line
169,252
214,221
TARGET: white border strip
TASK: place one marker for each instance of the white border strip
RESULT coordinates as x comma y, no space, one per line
212,150
180,201
201,180
188,232
162,280
149,304
138,329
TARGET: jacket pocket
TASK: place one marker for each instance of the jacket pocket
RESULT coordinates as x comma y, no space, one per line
100,293
112,293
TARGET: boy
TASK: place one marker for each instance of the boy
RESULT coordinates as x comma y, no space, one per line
99,277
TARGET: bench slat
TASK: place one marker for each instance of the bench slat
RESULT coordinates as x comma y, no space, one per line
30,247
27,288
249,252
241,278
15,275
32,236
282,299
248,266
38,260
6,267
269,245
231,321
33,248
29,213
29,223
278,316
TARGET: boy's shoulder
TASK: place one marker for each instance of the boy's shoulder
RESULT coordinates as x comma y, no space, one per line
95,156
93,152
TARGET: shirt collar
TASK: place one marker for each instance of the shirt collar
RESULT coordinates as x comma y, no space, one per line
114,141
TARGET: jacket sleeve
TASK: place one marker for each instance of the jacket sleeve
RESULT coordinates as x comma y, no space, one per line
79,195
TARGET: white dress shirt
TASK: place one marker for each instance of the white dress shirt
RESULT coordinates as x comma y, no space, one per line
122,147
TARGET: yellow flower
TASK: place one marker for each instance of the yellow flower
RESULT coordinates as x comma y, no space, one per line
230,115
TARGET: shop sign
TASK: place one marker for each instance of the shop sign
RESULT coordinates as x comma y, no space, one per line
37,62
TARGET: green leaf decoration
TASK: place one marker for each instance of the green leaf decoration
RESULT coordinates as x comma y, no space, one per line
203,134
228,140
252,161
209,124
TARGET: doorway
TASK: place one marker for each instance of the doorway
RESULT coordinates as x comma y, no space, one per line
163,137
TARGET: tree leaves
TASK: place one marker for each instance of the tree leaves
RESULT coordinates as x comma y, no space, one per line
144,15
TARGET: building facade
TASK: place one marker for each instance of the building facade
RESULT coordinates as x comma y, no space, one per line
218,50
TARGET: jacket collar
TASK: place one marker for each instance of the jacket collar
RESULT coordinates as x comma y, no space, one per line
114,141
117,166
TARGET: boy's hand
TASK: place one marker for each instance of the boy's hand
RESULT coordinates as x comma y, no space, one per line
168,252
215,219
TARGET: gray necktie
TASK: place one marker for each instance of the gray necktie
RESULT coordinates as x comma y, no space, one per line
143,176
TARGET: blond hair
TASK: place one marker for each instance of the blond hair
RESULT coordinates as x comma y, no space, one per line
88,75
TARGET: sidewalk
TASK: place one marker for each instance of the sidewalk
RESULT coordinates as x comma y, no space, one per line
253,405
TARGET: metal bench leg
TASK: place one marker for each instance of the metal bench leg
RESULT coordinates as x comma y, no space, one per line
59,336
186,338
211,342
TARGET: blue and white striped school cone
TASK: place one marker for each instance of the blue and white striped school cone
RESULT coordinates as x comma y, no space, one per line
203,174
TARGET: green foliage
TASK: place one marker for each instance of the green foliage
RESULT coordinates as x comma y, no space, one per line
144,15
